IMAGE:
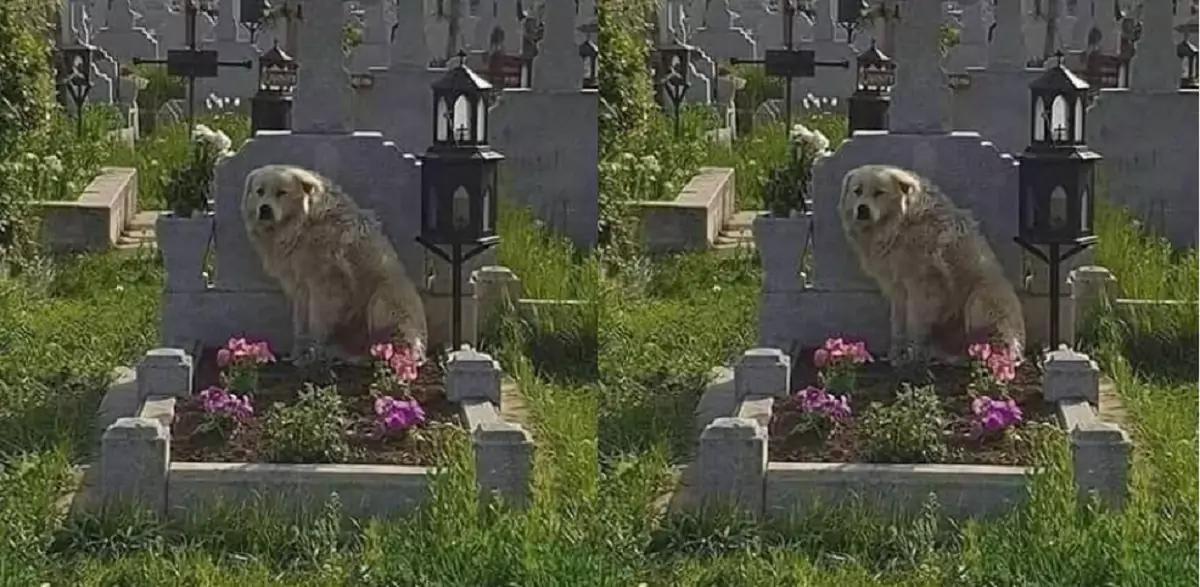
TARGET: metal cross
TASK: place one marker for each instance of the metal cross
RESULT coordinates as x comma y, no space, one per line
790,63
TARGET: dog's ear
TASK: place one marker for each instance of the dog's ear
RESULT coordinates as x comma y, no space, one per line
308,182
906,186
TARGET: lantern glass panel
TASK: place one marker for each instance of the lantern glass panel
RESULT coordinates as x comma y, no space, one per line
1059,123
461,120
431,207
876,79
443,121
1058,208
481,121
1084,210
1029,198
1039,119
460,208
1078,122
486,204
676,65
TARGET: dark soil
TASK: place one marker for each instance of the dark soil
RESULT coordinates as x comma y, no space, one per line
282,382
879,382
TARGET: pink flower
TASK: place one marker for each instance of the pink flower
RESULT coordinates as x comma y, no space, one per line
820,358
981,351
383,351
224,357
838,351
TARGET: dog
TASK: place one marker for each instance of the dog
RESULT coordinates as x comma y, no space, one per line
347,286
945,287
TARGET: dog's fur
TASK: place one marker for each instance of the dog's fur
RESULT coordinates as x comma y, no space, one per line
345,282
944,284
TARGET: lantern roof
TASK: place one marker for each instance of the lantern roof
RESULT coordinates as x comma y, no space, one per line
1059,78
276,56
588,49
78,47
1185,48
675,45
461,78
873,56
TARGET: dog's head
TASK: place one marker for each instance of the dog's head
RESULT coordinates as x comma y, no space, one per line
873,194
279,194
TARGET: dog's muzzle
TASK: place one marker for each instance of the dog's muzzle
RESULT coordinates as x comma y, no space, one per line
265,213
862,212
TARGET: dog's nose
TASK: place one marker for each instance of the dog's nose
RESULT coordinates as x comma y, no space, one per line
264,212
862,212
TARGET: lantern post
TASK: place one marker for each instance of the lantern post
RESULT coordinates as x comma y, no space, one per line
1057,178
76,72
459,179
675,59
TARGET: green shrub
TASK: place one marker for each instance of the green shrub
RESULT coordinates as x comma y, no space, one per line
310,430
26,105
908,430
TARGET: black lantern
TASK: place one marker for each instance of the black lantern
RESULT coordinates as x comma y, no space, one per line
75,67
675,61
871,99
876,71
271,106
459,178
251,14
1188,74
588,53
1056,204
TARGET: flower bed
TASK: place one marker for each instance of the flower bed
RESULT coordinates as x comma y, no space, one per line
969,446
308,447
946,414
346,416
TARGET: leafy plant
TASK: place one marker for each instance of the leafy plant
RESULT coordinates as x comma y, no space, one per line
311,430
909,430
188,187
787,188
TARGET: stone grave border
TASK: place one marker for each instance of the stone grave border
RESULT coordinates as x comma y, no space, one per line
135,465
694,219
94,222
732,467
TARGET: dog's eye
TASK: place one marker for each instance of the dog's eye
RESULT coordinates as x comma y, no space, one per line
259,191
878,193
858,190
281,194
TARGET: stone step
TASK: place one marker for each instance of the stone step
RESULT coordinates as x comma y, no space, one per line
145,220
742,220
744,234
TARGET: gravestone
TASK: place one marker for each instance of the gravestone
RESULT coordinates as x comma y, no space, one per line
372,171
1147,134
231,82
122,38
996,104
548,134
720,39
829,81
838,299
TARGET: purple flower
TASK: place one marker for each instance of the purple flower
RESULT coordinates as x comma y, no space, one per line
813,400
215,400
397,415
995,415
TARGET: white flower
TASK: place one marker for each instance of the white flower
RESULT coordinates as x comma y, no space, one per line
810,140
53,164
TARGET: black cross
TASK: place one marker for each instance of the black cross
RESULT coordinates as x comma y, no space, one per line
192,63
790,63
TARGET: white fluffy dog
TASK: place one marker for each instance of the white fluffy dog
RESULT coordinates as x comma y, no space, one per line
944,283
346,283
